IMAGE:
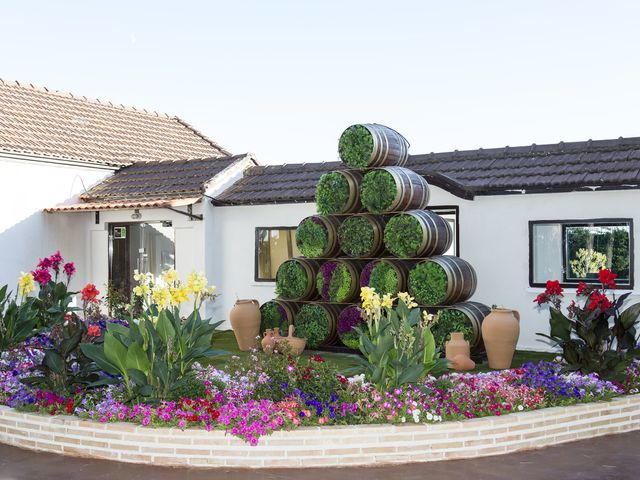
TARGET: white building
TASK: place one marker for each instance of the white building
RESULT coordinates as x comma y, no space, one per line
520,213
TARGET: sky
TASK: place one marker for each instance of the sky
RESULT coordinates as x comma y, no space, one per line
283,79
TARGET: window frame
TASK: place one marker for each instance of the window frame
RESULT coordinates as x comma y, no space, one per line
256,250
581,223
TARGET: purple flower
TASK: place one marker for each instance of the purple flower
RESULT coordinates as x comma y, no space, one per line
349,317
365,276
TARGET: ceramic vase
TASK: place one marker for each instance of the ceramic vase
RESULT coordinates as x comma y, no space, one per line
268,341
457,346
500,331
245,322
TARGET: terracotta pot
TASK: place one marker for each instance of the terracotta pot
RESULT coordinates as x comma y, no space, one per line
245,322
268,341
500,331
457,346
461,362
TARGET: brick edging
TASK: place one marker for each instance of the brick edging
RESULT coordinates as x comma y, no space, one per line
321,446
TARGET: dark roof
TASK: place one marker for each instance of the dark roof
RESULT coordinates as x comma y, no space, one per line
574,166
160,180
52,124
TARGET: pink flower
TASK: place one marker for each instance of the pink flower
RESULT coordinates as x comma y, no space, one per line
55,260
42,276
69,269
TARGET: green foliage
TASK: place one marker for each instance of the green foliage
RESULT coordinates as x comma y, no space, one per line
312,238
403,235
117,302
17,320
350,339
356,146
356,236
154,360
340,283
449,321
312,323
378,191
271,315
332,193
588,261
291,280
54,303
398,349
384,279
190,387
428,283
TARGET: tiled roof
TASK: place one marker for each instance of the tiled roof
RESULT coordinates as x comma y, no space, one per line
148,181
60,125
531,169
118,204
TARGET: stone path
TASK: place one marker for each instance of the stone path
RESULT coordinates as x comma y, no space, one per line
612,457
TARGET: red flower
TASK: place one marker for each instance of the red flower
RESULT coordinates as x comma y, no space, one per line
608,278
56,259
581,287
41,275
44,263
90,293
69,269
599,300
317,358
554,288
342,379
93,331
542,298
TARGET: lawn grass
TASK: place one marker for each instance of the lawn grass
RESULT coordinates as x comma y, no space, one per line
225,340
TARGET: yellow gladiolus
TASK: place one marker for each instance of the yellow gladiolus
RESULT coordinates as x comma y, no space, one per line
170,276
179,295
26,285
196,282
387,301
407,299
161,296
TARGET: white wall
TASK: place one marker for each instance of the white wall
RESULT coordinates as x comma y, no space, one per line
27,186
494,238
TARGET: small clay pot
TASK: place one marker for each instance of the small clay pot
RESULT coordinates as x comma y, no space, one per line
461,362
457,346
269,341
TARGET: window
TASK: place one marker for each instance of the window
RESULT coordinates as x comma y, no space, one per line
575,251
450,214
274,245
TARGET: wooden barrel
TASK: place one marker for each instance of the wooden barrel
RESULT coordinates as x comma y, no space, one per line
475,313
329,319
287,289
434,237
370,244
277,313
349,318
459,275
411,190
326,277
372,145
375,280
339,184
310,247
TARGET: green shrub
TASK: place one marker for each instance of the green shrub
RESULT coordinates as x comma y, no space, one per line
273,316
291,280
356,236
449,321
191,387
332,193
384,279
17,320
356,146
403,235
334,282
312,237
428,283
378,191
312,323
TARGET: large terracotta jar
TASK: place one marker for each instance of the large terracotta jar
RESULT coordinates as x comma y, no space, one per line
500,332
245,322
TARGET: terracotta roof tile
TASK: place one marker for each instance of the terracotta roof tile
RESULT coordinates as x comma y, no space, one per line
60,125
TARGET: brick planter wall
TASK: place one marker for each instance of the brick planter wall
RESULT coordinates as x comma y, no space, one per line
321,446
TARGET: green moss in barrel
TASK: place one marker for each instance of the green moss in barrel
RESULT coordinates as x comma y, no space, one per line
356,146
450,321
384,279
334,282
428,283
273,315
403,235
291,280
332,193
356,236
378,191
312,237
312,323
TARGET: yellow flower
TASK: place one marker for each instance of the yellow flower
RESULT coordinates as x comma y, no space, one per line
211,290
196,282
161,296
179,295
26,285
407,299
141,290
170,276
387,301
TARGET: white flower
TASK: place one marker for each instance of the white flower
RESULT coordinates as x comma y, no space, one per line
356,379
403,419
429,416
520,408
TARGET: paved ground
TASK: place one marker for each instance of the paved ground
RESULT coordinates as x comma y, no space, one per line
612,457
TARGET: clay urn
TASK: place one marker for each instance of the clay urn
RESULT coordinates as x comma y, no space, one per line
245,322
296,344
500,332
457,346
268,341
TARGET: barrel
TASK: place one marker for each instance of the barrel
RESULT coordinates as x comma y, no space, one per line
378,276
349,318
362,236
442,280
339,270
289,285
277,314
339,192
393,189
372,145
313,245
475,313
418,233
319,314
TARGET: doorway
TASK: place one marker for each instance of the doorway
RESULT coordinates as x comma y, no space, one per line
148,247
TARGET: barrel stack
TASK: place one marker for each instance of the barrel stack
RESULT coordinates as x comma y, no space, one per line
374,228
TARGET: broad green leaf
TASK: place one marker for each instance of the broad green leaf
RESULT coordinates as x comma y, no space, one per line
138,377
137,358
54,361
115,352
96,353
165,328
560,325
630,316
